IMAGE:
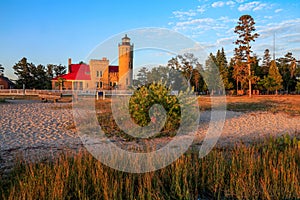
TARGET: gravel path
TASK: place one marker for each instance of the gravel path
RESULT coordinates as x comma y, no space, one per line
38,130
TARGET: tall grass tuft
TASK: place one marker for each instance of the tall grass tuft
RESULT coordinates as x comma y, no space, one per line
269,170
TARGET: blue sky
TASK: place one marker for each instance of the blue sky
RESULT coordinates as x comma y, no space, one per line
51,31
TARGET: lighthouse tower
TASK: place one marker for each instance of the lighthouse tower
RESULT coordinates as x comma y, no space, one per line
125,63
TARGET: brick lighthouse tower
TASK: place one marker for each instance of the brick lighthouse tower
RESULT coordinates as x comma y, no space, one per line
125,63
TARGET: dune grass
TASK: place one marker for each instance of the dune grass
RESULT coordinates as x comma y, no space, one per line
269,170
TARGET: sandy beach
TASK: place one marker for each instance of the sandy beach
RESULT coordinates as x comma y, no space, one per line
32,129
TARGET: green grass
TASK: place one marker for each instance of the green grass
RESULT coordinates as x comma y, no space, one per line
269,170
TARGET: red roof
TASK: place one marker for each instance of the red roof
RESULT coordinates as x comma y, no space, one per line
77,72
113,68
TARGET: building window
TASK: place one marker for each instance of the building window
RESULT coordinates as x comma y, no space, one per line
101,74
97,74
110,84
126,81
101,84
75,85
80,85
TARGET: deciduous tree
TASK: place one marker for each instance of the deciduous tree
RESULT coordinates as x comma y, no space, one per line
185,64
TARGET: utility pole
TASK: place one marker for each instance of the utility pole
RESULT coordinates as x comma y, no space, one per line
274,46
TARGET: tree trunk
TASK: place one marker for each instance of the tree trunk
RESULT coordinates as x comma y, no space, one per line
237,86
250,84
249,70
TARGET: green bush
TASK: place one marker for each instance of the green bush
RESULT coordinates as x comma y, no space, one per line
148,95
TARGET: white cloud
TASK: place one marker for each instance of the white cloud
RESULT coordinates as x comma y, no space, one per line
268,17
201,9
260,7
230,3
183,15
278,10
281,27
225,41
254,6
195,21
218,4
289,35
226,19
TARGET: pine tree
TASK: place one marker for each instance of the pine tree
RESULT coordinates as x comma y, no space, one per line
245,29
266,62
287,68
1,70
275,75
23,72
212,76
142,77
240,71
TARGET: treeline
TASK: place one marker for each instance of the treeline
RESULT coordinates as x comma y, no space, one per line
33,76
217,74
243,73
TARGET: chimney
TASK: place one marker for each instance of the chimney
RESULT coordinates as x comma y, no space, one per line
69,64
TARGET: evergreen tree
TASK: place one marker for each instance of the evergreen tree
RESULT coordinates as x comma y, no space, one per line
33,77
269,83
1,70
23,72
59,70
230,72
212,76
221,62
240,71
298,87
266,63
245,29
142,77
275,75
41,80
197,79
256,71
287,68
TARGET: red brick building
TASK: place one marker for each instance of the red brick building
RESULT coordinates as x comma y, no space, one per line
5,83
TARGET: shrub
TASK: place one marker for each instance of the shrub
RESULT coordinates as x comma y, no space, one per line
145,97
